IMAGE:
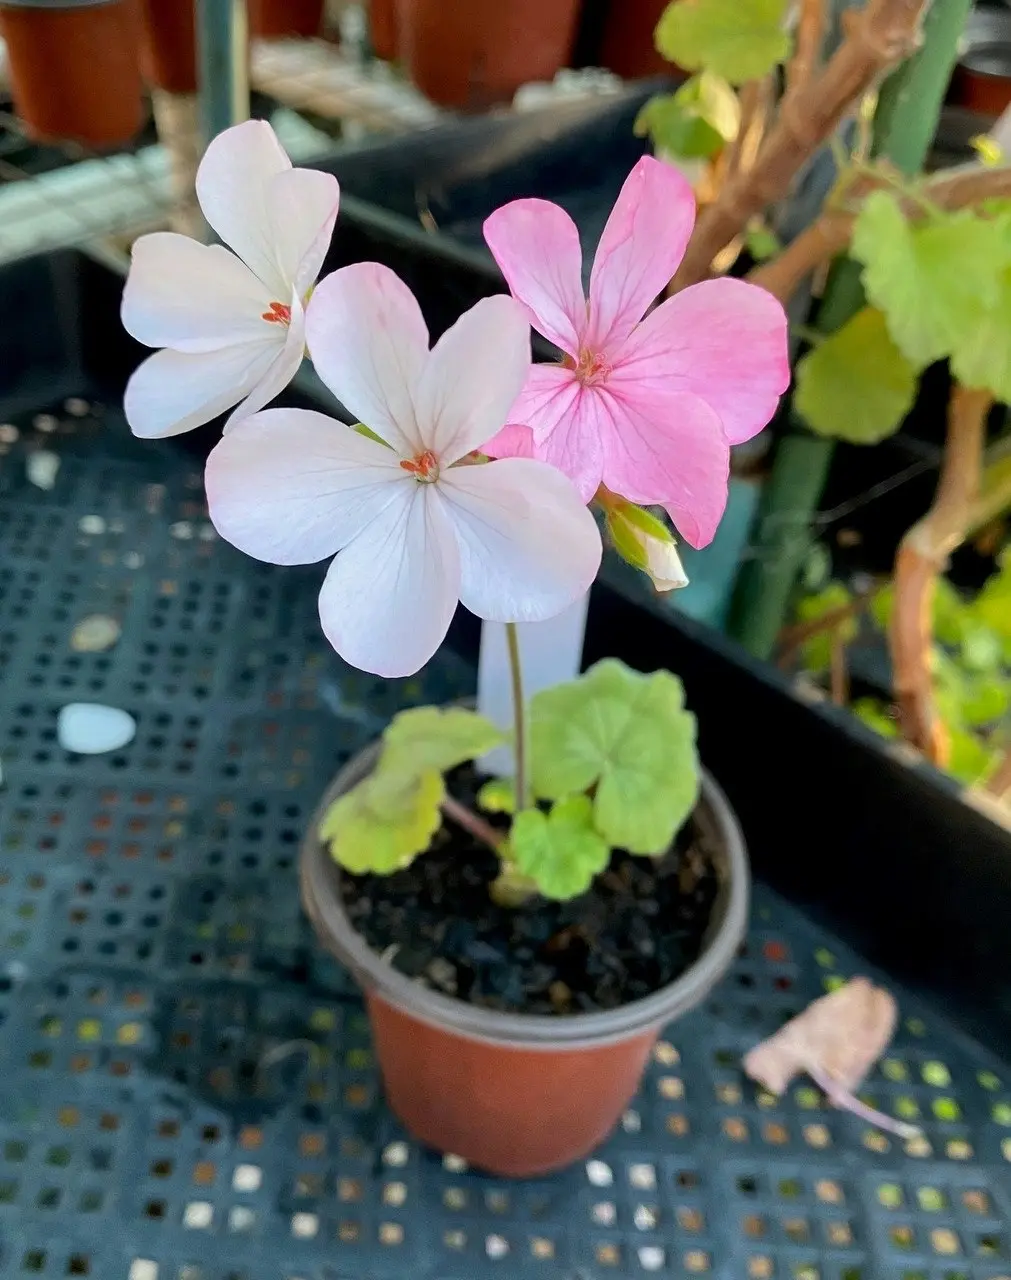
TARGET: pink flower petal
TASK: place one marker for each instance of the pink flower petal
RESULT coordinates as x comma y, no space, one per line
191,296
536,245
232,184
175,391
369,343
669,450
291,486
528,545
513,441
641,248
725,341
472,377
390,595
282,370
548,398
303,209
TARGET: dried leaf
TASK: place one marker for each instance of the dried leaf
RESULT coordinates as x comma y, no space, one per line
836,1040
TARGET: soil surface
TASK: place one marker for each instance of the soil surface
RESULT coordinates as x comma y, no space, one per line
638,928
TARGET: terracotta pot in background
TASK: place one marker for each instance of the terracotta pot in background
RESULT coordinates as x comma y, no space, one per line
273,19
982,78
74,70
472,54
168,50
627,47
514,1094
383,29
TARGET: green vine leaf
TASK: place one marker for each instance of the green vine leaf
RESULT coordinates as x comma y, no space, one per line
630,737
560,850
436,738
383,823
856,385
935,279
694,123
816,653
992,607
739,41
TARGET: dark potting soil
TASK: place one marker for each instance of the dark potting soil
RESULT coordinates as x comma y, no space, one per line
639,926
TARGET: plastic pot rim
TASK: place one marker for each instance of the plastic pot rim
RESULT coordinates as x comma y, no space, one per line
56,4
319,876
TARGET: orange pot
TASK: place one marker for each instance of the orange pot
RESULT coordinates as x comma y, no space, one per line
168,49
74,71
472,54
273,19
514,1094
628,47
383,29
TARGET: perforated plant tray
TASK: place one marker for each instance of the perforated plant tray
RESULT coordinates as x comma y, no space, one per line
188,1089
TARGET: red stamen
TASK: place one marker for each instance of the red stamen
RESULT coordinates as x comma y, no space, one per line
278,314
422,466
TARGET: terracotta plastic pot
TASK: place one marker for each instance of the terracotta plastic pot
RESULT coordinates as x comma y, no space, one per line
73,69
513,1094
627,47
982,76
472,54
168,48
383,29
273,19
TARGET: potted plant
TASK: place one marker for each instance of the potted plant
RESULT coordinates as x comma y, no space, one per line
521,941
168,47
275,19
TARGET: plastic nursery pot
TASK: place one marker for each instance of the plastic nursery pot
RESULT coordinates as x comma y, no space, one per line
627,47
383,29
274,19
982,76
472,54
168,50
514,1094
73,69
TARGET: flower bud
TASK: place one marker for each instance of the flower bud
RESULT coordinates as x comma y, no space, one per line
644,541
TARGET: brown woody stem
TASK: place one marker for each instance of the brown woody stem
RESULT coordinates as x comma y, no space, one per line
472,823
922,556
807,50
1000,783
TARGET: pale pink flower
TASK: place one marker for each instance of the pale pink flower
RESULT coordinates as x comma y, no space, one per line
648,407
415,524
232,324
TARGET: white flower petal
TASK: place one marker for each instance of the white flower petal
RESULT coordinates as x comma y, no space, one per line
303,208
232,183
291,486
285,366
369,343
472,378
191,296
528,545
390,595
175,391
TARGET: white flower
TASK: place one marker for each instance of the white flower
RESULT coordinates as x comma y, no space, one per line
415,531
232,324
663,564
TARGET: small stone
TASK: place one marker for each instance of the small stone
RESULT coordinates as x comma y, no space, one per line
45,422
42,467
95,634
76,407
442,974
560,995
91,525
8,433
91,729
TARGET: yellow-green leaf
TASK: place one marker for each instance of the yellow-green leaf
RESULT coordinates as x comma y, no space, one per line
560,850
856,385
737,39
498,795
436,738
384,822
694,123
816,653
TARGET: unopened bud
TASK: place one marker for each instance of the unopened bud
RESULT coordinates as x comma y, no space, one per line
645,542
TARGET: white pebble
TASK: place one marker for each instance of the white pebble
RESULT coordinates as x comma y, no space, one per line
41,467
91,729
95,634
91,524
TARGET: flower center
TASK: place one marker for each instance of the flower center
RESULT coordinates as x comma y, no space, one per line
279,313
424,468
590,369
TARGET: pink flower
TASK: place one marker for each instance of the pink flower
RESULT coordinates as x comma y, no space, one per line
416,527
648,407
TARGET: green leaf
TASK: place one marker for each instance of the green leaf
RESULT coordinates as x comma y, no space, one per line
933,279
972,761
761,242
982,358
384,822
816,653
981,647
436,738
561,851
856,385
950,613
987,699
875,715
368,433
992,607
737,39
882,607
630,737
694,123
498,795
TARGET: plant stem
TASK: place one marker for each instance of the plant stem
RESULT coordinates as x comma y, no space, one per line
472,823
519,718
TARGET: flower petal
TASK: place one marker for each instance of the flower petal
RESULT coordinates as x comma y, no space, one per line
390,595
725,341
284,367
513,441
536,245
528,545
369,343
548,398
232,184
191,296
641,248
303,208
472,377
291,486
668,450
175,391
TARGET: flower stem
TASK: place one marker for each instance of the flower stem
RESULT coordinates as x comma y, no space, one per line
470,822
519,718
